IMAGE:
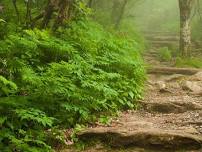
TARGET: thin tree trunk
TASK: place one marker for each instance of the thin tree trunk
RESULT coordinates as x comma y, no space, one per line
48,13
29,13
90,3
121,14
185,27
16,10
118,11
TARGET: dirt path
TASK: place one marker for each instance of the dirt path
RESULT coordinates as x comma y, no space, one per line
170,119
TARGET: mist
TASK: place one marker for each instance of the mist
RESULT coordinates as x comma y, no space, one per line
157,15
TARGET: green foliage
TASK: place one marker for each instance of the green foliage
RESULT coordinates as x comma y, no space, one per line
23,130
189,62
7,87
104,120
127,30
165,54
65,78
34,115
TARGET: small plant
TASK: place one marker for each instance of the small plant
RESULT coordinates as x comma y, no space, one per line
7,87
165,54
189,62
24,130
104,120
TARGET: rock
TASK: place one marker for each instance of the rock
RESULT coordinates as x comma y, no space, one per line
200,114
139,124
172,70
170,106
174,77
161,85
189,129
196,77
143,137
174,85
192,86
150,87
199,94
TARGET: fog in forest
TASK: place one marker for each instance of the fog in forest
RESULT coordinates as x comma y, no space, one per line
156,15
100,75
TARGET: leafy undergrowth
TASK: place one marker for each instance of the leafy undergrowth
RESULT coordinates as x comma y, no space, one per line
53,81
164,54
189,62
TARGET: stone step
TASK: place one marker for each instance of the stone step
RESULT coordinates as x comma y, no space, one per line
145,134
168,105
152,55
163,42
172,70
161,38
160,33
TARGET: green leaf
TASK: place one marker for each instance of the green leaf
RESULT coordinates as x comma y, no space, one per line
131,94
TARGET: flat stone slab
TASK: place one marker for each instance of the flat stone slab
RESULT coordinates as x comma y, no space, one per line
173,70
170,106
144,137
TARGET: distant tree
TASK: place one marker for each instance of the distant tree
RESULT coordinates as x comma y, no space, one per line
185,7
118,11
90,3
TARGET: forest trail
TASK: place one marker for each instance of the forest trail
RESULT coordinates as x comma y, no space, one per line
169,120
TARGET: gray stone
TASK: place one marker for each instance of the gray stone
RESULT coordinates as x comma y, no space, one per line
143,137
174,77
171,106
192,86
161,85
197,77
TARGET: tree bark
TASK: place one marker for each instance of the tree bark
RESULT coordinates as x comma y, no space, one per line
63,13
28,13
48,13
16,9
121,15
90,3
185,7
118,11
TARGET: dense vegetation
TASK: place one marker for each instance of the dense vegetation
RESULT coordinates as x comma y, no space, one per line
59,72
68,64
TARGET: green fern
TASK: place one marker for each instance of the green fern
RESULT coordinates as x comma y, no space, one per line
68,78
7,87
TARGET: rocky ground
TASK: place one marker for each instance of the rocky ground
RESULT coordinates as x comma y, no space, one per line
169,120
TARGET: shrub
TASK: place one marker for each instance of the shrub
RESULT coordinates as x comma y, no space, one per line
70,77
165,54
189,62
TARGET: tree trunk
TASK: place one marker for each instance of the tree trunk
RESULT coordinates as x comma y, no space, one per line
63,13
185,28
121,15
29,13
48,12
118,11
16,9
90,3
